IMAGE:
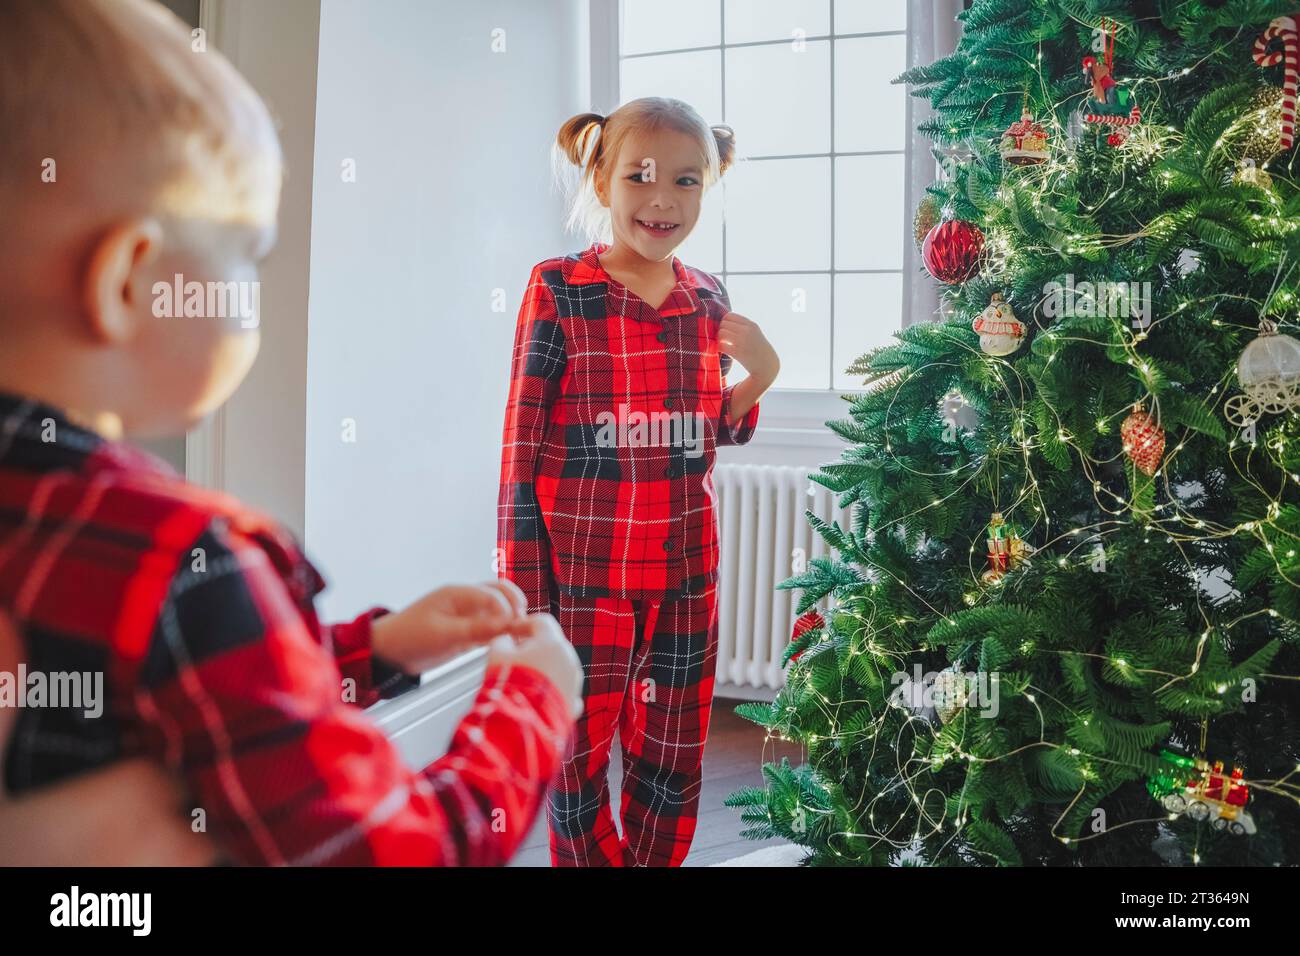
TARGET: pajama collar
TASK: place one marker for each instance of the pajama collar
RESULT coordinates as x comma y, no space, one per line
684,300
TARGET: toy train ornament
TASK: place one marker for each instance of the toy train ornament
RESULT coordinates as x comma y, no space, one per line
1204,792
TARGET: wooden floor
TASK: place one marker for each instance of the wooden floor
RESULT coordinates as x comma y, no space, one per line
733,758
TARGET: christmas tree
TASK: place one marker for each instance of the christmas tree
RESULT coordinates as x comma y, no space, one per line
1062,612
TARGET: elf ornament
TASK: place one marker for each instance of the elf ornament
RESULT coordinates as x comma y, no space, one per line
1006,549
1283,29
951,251
1144,440
1269,374
1001,333
1025,141
1110,104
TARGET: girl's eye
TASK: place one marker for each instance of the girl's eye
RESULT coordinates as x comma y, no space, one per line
688,181
639,177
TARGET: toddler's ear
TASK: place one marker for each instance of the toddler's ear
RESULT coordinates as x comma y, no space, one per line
116,281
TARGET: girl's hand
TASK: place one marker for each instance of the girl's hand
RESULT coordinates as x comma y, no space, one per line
130,814
449,621
547,651
743,340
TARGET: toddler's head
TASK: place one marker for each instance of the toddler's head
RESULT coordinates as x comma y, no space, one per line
135,163
644,169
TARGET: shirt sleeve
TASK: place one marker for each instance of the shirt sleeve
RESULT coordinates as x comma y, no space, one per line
735,432
238,695
523,549
371,677
732,432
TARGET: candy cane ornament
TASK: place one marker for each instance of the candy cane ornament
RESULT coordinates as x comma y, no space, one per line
1284,29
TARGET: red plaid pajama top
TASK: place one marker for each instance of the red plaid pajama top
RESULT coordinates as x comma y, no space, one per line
589,501
198,614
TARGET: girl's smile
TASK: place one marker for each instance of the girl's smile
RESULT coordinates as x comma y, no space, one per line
658,227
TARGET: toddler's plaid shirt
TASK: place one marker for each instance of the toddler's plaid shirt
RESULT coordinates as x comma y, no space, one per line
198,613
592,498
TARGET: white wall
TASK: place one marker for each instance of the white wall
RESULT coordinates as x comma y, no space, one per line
452,200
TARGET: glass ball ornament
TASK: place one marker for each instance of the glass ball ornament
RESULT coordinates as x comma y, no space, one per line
1269,374
951,251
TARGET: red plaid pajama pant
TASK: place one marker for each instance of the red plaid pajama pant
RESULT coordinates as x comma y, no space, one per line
648,672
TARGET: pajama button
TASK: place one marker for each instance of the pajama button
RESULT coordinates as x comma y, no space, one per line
670,471
668,545
668,403
662,336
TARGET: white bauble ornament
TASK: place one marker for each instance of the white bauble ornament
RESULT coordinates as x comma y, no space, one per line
1000,331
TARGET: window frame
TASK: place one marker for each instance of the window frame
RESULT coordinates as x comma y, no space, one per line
792,407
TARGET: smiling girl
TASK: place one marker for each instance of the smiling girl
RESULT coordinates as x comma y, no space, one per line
618,538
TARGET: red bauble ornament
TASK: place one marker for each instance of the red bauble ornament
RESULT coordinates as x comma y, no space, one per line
952,251
810,621
1115,139
1144,440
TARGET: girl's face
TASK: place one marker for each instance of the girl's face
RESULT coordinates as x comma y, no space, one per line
653,192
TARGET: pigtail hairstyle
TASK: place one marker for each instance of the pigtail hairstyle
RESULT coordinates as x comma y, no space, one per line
579,138
725,138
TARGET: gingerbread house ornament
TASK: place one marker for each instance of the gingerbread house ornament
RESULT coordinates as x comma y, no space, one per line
1025,142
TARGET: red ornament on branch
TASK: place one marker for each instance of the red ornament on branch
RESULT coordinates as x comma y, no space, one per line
952,251
1144,440
810,621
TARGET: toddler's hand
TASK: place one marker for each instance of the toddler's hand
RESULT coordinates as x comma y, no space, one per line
449,621
546,650
743,340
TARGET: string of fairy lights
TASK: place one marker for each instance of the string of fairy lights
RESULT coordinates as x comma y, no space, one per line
1180,526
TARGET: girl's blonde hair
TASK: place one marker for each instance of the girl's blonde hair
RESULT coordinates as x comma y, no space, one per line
591,143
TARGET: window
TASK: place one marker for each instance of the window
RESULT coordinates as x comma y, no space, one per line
807,230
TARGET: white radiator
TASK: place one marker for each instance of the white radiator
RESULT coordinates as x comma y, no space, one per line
765,539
